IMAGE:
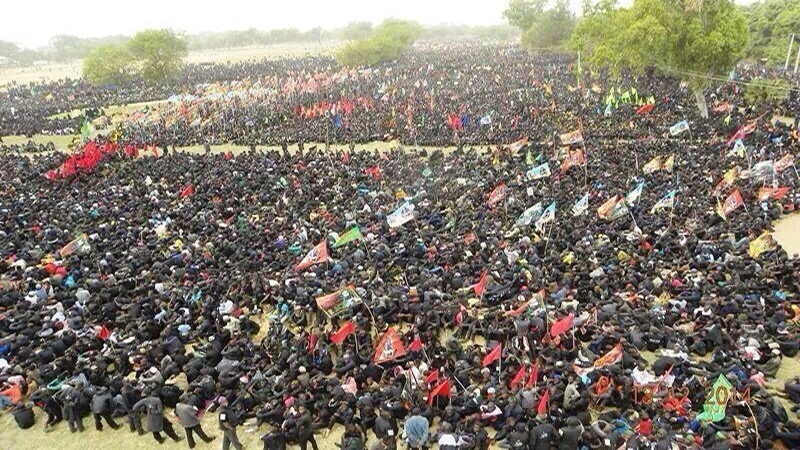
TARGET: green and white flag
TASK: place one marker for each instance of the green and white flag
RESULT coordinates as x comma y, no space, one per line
666,201
530,214
351,235
581,206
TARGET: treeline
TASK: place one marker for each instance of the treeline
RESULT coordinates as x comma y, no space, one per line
771,23
69,48
550,24
61,48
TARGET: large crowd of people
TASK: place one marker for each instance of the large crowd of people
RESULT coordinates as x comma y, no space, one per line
599,277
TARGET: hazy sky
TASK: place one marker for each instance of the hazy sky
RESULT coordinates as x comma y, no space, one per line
31,23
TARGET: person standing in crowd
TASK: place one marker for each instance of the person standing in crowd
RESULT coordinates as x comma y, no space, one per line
228,422
156,422
102,406
190,421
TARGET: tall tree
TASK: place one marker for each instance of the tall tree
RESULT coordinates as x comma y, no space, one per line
161,53
694,40
771,23
108,64
543,24
523,13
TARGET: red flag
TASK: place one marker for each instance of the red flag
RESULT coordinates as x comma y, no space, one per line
416,345
432,377
542,408
480,286
104,333
497,194
518,377
644,109
374,171
312,342
389,347
533,376
740,134
442,389
576,158
493,355
732,203
346,329
188,190
562,325
345,157
765,193
154,150
51,175
317,255
228,155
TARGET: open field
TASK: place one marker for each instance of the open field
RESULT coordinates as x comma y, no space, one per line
72,69
787,233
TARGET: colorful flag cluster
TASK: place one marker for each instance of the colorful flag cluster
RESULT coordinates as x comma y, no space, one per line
84,161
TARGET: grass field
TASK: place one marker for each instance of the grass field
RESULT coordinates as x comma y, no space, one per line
57,71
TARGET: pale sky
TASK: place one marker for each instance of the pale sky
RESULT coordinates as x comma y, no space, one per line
31,23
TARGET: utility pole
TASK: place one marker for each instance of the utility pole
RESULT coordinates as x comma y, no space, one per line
788,54
797,60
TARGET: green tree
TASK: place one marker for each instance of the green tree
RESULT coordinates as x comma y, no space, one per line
543,25
523,13
686,38
160,53
767,93
109,64
8,49
771,23
552,27
387,42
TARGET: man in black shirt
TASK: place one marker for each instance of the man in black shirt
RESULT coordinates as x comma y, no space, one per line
228,421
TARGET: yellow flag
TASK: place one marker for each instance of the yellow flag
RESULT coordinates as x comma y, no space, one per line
720,211
653,165
760,245
669,163
731,175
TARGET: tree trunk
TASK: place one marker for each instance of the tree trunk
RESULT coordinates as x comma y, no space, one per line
700,98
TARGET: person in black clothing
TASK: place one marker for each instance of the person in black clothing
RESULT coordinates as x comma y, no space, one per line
228,421
305,429
102,407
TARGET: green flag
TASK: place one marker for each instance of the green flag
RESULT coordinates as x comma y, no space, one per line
716,401
351,235
85,129
528,158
